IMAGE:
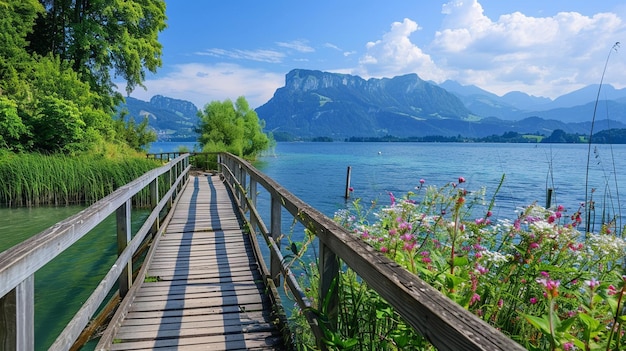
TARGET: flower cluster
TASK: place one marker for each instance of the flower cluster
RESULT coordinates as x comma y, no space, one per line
536,277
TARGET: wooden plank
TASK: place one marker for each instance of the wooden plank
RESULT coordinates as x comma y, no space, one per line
245,341
444,323
209,293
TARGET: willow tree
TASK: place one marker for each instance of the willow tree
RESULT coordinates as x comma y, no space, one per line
233,128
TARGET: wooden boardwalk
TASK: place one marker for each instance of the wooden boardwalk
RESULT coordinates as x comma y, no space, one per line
203,289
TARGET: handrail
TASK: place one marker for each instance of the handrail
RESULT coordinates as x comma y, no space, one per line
444,323
19,263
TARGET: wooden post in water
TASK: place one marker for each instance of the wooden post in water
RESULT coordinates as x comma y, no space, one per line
123,238
347,195
548,197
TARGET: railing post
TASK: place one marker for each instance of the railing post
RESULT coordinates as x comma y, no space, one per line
123,237
329,274
170,200
275,229
154,202
252,196
17,317
242,190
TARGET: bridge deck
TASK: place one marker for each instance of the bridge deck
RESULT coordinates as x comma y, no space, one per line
203,289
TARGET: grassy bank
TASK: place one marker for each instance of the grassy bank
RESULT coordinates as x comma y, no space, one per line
36,180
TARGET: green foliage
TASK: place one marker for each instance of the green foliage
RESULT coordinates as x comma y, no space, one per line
536,278
232,128
59,126
58,57
103,36
34,179
11,126
138,136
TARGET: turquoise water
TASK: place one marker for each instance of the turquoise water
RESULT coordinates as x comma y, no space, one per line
316,173
64,284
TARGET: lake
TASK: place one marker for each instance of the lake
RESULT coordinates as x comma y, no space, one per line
316,173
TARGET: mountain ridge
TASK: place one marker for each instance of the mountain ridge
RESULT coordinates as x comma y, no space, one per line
322,104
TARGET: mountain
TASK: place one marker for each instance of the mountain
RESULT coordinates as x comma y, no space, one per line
322,104
172,119
315,103
588,94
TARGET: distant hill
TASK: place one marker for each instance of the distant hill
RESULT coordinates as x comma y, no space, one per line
172,119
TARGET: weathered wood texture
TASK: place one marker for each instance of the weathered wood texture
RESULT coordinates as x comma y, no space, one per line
19,263
203,289
444,323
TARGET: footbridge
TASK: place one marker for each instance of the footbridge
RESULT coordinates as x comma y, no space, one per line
205,282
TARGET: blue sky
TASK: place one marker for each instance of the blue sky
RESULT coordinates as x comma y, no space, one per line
216,50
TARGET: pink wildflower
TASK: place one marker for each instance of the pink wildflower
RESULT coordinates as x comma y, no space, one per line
568,346
383,249
392,232
351,189
422,181
489,213
533,300
481,269
500,303
461,180
551,286
551,219
592,284
475,298
534,245
426,260
392,198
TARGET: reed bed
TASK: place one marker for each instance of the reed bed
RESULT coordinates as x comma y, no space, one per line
54,180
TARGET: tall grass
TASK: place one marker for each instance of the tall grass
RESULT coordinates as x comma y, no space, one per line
37,180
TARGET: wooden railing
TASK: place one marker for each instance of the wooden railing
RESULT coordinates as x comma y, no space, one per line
19,263
444,323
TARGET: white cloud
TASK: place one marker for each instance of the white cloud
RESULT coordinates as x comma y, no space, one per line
539,55
298,45
202,83
270,56
546,56
395,54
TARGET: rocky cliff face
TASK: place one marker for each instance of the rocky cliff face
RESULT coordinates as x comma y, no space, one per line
315,103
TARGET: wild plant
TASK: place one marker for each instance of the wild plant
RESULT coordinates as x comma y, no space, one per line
536,278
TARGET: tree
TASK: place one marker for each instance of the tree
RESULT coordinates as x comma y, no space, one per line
56,54
137,136
231,128
11,126
60,126
103,36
